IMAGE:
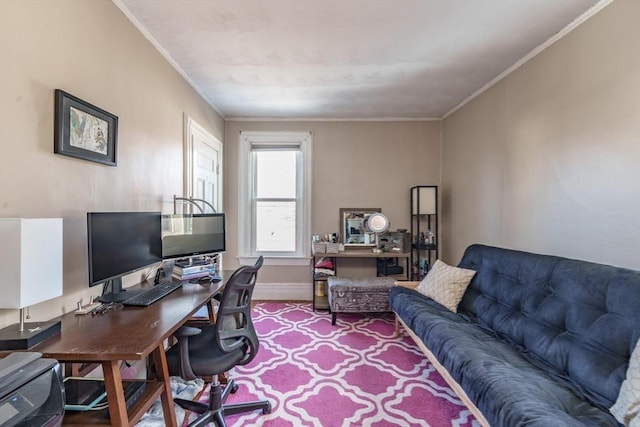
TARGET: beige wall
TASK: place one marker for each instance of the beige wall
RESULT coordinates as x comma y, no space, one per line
355,164
548,160
91,50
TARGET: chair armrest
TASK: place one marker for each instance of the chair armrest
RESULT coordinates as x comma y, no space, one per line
184,364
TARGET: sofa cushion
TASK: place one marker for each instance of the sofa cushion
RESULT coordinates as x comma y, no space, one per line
506,386
576,318
445,284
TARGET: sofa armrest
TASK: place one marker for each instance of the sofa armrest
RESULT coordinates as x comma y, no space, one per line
410,285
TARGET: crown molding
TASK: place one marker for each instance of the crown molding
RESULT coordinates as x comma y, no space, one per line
131,17
532,54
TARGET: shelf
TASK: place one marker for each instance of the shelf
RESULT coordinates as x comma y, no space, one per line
322,303
319,283
363,253
424,228
424,247
153,389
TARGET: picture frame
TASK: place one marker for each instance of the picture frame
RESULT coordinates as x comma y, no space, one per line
351,223
84,131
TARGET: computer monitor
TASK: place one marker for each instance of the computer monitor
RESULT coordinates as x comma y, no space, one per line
189,236
121,243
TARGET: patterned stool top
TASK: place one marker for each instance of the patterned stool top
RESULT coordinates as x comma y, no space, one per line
366,282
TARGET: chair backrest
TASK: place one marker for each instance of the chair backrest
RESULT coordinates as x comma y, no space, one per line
233,321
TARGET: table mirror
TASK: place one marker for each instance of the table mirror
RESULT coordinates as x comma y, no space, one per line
352,231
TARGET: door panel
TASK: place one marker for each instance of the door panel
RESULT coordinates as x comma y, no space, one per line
203,166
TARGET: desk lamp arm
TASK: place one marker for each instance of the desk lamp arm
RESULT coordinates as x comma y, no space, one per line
191,201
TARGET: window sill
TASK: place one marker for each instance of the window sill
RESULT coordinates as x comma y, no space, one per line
291,261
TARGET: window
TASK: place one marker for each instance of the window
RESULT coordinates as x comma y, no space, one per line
274,175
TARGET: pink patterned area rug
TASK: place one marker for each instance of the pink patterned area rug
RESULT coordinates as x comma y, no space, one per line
356,373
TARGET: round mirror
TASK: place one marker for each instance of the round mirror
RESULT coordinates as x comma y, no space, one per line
377,223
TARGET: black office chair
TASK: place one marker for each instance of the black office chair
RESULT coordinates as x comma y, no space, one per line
210,350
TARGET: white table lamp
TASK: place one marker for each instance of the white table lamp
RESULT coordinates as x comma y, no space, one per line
30,273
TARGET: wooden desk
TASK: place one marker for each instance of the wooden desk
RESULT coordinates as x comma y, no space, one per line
127,333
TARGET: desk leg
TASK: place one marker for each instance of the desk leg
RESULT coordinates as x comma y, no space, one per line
212,311
162,374
115,393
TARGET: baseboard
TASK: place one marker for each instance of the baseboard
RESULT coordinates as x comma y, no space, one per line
282,291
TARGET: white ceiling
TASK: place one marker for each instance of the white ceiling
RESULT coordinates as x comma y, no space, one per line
348,59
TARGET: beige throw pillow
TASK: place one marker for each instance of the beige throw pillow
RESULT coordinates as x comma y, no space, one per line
446,284
627,406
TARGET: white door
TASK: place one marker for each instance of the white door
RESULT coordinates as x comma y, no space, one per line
203,168
205,177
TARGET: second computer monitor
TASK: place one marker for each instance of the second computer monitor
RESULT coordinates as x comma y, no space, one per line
187,236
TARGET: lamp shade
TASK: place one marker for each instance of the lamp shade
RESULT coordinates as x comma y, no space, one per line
30,261
424,200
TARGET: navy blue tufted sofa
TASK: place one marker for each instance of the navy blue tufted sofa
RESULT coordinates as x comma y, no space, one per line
538,340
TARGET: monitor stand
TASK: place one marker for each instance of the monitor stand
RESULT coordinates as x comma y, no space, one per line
112,291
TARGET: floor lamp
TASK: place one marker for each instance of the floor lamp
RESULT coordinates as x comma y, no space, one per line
30,273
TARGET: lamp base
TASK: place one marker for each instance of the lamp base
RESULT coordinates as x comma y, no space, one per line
34,332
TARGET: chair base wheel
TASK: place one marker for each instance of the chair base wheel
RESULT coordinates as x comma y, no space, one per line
267,409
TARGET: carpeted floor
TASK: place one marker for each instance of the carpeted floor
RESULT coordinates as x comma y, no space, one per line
355,373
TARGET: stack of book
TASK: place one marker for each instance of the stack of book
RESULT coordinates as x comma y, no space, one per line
193,271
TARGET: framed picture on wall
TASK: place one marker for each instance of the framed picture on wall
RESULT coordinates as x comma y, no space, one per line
83,130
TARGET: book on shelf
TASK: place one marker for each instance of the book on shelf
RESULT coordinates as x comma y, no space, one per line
194,272
182,277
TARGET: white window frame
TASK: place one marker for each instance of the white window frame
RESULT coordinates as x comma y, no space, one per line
246,212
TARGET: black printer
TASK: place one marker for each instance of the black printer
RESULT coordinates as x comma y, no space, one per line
31,391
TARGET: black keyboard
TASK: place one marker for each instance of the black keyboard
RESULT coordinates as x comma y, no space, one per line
152,295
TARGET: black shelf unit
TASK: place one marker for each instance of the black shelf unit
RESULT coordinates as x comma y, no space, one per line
424,219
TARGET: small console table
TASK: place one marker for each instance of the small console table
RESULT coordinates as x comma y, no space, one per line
319,280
